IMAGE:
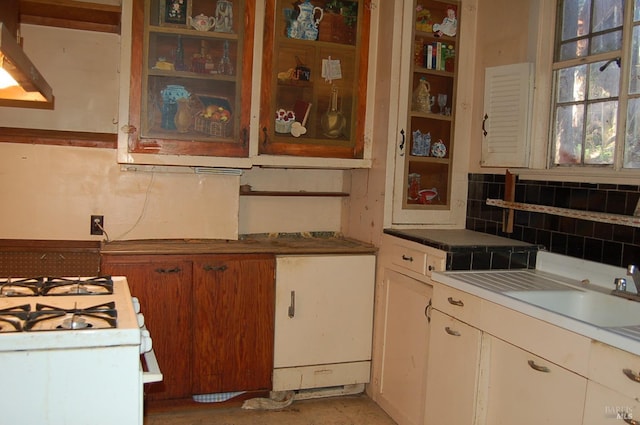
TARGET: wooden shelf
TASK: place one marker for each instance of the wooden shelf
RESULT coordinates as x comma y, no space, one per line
71,14
292,193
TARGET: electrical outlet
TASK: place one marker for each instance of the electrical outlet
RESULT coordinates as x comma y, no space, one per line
97,224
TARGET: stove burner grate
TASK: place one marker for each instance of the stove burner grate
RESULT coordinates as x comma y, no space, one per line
59,286
20,287
48,318
12,318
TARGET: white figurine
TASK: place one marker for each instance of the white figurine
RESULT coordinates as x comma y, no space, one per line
448,26
224,16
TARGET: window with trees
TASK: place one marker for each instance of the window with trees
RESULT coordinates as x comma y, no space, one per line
596,98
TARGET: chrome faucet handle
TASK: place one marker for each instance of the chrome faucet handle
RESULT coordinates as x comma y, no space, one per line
621,283
634,272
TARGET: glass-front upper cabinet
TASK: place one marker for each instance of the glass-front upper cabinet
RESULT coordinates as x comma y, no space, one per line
190,86
314,78
427,118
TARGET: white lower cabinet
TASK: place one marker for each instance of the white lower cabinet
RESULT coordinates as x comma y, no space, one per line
454,354
604,406
323,321
525,389
405,343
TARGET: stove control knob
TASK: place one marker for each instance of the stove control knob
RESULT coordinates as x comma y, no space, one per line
145,341
140,318
136,304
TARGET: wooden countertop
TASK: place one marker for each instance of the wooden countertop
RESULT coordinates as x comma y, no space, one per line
251,244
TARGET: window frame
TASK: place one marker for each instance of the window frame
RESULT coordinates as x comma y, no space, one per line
541,162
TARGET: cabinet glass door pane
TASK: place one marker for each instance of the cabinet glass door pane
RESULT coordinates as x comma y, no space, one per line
194,78
313,92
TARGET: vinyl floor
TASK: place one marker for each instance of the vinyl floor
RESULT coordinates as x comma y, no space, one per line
342,410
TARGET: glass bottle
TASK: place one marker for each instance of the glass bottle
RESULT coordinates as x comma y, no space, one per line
333,121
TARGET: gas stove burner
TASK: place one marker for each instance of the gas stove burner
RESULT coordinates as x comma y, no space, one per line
20,287
100,285
48,318
12,318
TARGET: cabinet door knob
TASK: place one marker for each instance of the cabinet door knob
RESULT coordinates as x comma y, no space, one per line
459,303
210,268
631,375
538,368
452,332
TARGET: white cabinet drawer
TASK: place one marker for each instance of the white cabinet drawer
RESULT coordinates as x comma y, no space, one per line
320,376
414,257
461,305
604,406
609,366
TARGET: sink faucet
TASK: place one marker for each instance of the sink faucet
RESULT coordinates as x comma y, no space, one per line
634,272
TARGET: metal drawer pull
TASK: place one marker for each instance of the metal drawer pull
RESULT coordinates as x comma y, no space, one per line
451,331
292,306
631,421
538,368
209,268
407,258
173,270
459,303
431,268
631,375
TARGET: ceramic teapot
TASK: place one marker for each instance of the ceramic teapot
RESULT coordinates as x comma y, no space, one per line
202,22
305,27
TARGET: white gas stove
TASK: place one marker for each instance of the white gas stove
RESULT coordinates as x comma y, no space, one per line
70,352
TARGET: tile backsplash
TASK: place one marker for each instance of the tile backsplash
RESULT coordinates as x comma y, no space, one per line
612,244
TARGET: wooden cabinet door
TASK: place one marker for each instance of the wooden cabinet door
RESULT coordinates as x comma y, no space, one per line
526,389
293,80
163,286
405,344
233,316
452,374
206,75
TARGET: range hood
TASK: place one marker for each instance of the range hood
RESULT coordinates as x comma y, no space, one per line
30,89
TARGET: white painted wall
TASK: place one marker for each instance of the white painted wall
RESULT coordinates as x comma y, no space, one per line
53,190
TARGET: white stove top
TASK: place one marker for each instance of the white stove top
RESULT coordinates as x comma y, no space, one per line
126,331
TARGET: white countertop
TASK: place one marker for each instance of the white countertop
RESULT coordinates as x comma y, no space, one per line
552,269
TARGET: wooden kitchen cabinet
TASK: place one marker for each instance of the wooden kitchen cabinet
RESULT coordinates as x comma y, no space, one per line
190,88
402,328
323,321
427,177
452,376
405,347
233,307
163,286
328,101
526,389
210,317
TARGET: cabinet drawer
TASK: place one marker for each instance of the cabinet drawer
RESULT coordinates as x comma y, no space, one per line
607,366
461,305
319,376
417,258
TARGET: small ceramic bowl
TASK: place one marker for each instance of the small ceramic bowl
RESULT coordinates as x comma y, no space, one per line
426,195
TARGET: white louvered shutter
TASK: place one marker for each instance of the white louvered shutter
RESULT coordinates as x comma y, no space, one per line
508,93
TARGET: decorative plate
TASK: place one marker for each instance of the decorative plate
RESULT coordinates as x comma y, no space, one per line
438,149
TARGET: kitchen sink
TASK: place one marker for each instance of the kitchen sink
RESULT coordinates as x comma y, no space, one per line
596,308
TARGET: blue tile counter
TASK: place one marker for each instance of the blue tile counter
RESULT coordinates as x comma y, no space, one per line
469,250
